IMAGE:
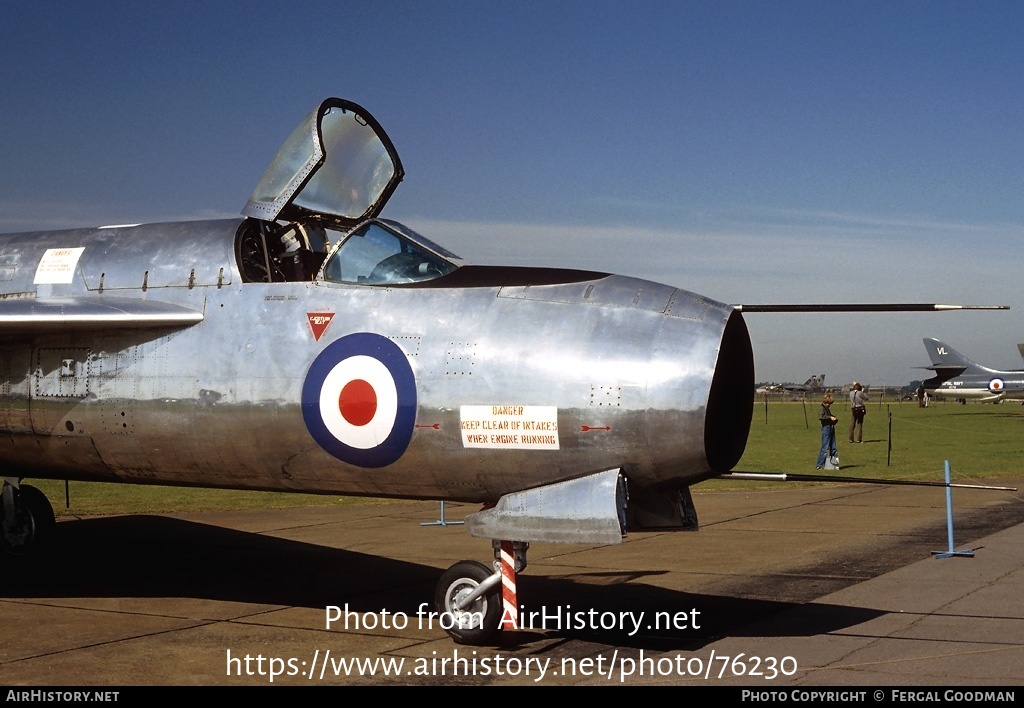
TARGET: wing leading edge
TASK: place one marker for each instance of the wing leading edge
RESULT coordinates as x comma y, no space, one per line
62,314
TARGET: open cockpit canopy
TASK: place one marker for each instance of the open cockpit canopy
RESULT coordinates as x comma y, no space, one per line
334,173
336,169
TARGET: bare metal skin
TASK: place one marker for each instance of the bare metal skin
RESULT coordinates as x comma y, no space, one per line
164,359
311,346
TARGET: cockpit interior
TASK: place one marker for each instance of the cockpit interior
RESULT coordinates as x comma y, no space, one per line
377,252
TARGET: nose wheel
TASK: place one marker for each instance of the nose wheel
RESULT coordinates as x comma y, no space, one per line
469,602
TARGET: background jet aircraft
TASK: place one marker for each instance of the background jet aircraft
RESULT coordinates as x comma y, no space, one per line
957,376
811,385
312,346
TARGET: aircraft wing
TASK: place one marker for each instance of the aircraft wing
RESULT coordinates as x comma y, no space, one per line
62,314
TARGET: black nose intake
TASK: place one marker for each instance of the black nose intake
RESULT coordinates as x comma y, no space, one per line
731,400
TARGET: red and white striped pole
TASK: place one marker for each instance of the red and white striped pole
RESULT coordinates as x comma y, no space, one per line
509,600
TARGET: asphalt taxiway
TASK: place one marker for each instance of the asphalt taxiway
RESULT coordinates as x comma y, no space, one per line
793,586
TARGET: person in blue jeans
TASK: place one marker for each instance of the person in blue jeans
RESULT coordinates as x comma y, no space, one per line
828,431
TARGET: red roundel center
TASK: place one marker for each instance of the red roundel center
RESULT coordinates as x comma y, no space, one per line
357,402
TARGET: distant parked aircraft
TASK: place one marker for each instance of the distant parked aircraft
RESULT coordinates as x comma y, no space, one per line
957,376
811,385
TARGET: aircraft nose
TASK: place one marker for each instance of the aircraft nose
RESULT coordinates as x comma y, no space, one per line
700,403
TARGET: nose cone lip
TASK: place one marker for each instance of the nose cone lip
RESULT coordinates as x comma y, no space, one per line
699,394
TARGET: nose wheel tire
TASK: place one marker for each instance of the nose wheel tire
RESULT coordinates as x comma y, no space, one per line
475,623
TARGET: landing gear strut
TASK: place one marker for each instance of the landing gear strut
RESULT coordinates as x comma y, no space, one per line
26,520
474,600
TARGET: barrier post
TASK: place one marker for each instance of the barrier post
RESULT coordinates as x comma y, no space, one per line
949,525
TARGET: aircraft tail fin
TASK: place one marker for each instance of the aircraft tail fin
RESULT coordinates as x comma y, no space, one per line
945,356
948,363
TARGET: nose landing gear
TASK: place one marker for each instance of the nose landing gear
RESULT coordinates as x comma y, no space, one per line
475,601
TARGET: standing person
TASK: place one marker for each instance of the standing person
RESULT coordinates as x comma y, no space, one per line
920,396
828,431
858,399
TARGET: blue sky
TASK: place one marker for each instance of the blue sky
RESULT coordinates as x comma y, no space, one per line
750,152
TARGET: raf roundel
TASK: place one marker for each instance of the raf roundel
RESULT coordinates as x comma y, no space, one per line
996,385
359,400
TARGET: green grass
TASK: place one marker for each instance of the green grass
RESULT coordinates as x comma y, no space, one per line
981,441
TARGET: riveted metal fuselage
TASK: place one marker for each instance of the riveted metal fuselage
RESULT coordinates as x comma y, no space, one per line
518,382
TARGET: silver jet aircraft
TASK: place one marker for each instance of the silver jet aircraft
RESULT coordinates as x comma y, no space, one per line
311,346
958,377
